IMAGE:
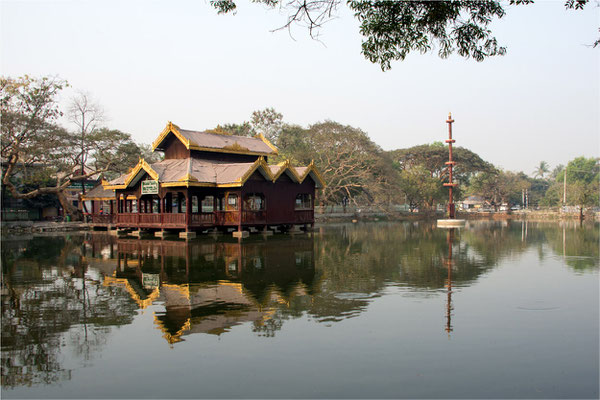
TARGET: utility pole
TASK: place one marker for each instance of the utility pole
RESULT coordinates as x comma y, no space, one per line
565,188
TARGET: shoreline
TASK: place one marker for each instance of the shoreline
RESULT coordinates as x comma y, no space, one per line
28,227
541,216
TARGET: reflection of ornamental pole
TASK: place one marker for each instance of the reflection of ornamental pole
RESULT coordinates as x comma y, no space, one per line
449,282
450,164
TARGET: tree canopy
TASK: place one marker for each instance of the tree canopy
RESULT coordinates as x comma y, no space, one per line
393,29
582,184
39,157
354,167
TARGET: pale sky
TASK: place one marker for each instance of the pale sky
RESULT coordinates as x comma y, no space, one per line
149,62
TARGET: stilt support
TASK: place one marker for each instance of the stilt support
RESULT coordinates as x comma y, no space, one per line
241,234
187,235
294,230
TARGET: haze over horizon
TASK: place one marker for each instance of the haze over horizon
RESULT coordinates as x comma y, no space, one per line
148,63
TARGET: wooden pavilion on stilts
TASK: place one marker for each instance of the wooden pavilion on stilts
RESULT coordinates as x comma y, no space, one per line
208,181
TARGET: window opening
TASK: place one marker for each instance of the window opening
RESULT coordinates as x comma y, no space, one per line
254,202
208,204
232,202
303,202
195,204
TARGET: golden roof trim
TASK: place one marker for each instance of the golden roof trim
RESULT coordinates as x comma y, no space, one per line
311,168
190,145
142,164
268,143
170,128
287,166
259,163
111,281
188,178
175,337
113,187
97,198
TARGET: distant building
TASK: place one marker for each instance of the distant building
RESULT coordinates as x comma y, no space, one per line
472,203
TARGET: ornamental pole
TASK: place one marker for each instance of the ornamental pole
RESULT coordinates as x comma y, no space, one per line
450,163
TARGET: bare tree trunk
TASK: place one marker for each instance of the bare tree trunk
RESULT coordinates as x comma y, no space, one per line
69,209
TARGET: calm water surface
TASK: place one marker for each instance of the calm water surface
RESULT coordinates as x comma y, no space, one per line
403,310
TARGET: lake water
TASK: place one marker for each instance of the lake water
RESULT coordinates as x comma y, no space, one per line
378,310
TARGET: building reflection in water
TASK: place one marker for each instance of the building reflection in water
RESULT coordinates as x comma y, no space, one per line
208,287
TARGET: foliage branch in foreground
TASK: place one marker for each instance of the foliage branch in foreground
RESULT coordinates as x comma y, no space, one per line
392,29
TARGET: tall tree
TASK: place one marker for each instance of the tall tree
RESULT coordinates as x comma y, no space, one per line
86,115
353,166
431,159
582,184
541,170
499,187
268,122
420,188
392,29
557,170
38,156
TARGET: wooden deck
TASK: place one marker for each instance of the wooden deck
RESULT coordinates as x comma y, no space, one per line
196,221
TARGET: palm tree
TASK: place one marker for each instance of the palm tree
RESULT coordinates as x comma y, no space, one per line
541,169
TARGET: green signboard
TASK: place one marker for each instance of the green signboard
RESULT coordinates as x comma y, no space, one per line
150,281
77,185
149,187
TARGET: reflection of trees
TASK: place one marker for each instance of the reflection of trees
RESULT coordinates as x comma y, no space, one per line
53,290
356,263
577,243
492,241
50,298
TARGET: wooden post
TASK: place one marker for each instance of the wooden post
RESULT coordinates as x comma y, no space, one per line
188,210
240,210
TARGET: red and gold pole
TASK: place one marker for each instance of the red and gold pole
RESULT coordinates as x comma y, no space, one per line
450,163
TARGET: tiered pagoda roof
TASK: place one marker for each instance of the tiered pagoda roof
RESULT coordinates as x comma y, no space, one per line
197,171
216,142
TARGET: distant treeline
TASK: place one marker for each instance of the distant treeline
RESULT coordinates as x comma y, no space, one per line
358,171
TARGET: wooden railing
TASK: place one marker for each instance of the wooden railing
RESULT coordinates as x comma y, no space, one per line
149,219
102,218
254,217
203,219
173,220
227,217
127,218
177,221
